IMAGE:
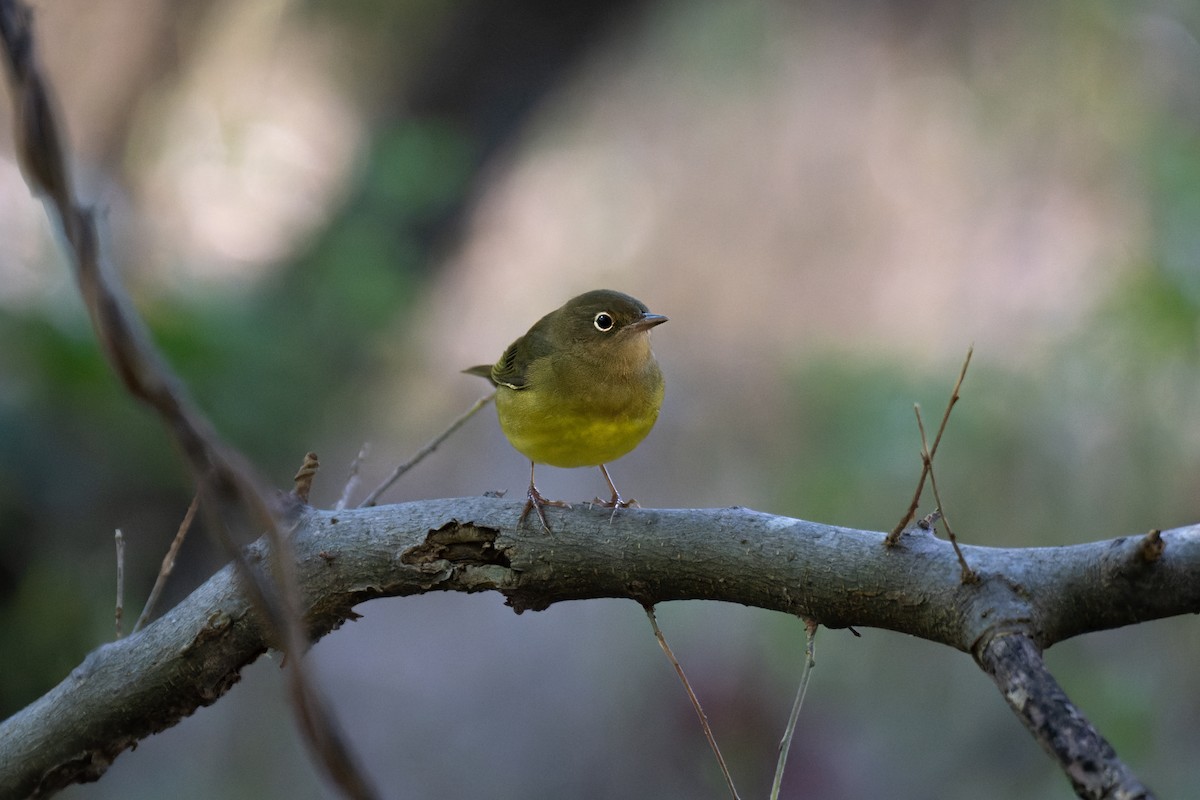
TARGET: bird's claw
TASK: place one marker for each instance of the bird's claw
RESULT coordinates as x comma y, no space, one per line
615,503
535,501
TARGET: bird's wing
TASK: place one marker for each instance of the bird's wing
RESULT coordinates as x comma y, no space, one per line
510,369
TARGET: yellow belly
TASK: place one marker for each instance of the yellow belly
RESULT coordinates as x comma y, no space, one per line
583,432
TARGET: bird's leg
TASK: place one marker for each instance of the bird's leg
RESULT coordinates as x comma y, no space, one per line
615,501
534,500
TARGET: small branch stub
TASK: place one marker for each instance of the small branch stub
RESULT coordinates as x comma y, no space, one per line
1151,547
304,477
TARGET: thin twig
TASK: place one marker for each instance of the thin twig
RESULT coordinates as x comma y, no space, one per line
371,499
954,396
968,575
785,744
119,538
708,734
352,480
168,564
911,513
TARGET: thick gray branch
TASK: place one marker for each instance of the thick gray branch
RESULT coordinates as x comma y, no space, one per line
131,688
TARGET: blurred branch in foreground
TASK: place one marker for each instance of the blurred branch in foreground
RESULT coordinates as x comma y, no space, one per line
226,478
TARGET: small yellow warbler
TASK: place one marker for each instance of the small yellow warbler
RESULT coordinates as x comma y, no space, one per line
580,389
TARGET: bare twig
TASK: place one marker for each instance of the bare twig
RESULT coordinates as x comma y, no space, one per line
353,478
968,575
119,538
708,734
432,445
910,514
954,395
168,564
785,744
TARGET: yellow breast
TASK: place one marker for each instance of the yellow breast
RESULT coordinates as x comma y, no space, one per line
566,418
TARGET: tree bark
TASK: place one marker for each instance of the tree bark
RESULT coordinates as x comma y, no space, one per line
1024,601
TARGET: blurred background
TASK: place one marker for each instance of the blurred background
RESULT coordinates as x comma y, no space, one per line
324,211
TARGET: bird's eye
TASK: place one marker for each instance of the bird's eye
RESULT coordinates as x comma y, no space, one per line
603,322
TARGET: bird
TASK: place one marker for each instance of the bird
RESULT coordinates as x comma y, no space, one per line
581,388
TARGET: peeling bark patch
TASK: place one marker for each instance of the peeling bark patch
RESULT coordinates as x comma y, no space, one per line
459,543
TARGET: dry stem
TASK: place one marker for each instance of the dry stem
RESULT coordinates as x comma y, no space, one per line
708,734
911,513
432,445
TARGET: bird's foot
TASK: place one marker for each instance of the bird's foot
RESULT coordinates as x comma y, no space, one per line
615,502
535,501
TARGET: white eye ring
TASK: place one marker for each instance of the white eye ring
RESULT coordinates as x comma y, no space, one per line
603,322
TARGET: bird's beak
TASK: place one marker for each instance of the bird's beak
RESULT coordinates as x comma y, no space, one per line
647,322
